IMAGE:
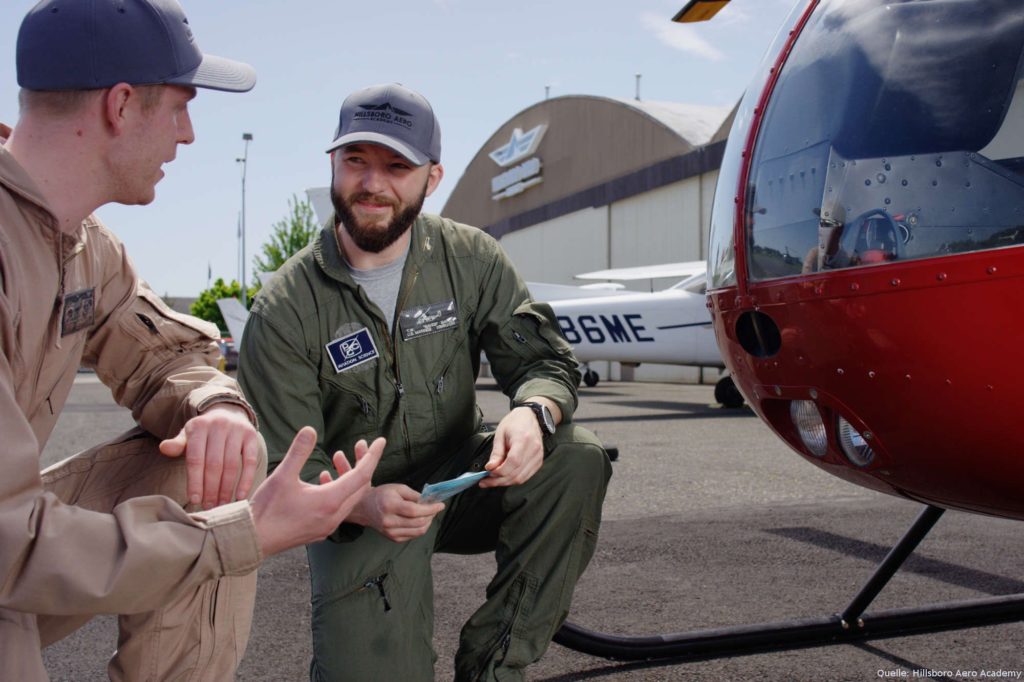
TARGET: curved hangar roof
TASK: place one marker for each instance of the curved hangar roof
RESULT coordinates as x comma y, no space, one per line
578,151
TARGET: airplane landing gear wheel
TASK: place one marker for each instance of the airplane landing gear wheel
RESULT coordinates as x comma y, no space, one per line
727,394
590,378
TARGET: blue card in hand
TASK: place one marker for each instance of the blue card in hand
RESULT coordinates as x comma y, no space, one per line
436,492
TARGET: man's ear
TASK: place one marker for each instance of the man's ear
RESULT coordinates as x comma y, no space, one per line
434,179
115,106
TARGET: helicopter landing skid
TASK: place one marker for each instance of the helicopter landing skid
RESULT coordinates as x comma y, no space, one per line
851,625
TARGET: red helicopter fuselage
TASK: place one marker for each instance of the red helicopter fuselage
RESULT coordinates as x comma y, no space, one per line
866,270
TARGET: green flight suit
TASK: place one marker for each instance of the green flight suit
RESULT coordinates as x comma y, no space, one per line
317,351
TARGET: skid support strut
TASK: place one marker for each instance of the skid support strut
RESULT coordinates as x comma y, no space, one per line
851,625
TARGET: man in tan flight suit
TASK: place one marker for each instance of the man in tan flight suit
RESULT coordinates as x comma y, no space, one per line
104,104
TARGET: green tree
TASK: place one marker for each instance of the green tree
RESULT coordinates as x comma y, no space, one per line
206,308
289,236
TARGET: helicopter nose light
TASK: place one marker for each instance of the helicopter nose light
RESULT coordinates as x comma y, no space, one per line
855,446
809,426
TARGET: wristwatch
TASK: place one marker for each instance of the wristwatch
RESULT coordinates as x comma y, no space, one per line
544,418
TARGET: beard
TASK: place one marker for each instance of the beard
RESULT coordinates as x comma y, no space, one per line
373,237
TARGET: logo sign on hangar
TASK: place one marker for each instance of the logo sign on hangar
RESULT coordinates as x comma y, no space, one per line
521,175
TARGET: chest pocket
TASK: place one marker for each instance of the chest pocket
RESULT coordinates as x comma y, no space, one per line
350,398
451,385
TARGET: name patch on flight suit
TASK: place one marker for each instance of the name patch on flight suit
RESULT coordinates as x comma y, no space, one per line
428,319
79,311
352,350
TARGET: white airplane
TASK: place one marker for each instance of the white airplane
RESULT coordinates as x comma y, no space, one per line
235,316
671,326
603,321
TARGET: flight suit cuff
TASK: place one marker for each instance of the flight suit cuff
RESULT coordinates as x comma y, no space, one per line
234,532
551,390
206,402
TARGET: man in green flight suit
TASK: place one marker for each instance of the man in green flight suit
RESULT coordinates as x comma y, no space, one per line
376,329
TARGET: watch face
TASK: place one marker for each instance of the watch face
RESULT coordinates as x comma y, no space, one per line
544,418
549,422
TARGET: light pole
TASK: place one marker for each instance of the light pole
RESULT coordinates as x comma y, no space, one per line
244,160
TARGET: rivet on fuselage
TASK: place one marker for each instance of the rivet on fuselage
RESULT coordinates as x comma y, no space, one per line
941,277
895,282
991,270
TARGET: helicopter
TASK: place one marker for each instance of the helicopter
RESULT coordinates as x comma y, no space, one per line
865,266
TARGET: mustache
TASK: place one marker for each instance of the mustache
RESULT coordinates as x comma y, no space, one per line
372,198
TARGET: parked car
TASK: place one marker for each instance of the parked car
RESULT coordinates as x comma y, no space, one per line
229,353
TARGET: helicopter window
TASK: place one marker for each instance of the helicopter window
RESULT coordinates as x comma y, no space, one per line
896,131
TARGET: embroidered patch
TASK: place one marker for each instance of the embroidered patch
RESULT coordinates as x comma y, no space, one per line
352,350
79,311
428,319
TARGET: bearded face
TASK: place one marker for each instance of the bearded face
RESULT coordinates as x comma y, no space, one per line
372,233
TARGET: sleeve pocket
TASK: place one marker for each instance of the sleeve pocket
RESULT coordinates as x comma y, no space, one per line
163,331
532,331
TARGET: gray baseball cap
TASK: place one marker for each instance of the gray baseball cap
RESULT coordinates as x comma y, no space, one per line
90,44
390,115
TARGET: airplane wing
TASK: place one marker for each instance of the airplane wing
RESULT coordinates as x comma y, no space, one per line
320,198
542,291
235,316
685,269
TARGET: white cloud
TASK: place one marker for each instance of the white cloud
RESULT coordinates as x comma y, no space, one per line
682,37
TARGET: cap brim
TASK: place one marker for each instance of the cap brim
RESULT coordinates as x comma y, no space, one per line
417,158
218,73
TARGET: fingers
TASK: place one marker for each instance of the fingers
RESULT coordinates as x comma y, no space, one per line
173,447
498,451
298,452
341,464
250,462
523,460
231,460
410,507
406,517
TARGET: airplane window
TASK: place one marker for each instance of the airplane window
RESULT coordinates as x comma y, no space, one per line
896,131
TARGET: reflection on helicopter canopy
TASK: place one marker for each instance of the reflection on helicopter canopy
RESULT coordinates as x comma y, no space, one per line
912,154
915,206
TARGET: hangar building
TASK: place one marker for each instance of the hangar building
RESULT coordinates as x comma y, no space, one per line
581,183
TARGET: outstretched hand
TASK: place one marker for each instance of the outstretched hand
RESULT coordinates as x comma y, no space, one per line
289,512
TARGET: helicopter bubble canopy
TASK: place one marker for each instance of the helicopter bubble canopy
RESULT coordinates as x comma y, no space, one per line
882,143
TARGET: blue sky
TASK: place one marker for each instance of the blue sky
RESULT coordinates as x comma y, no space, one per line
479,63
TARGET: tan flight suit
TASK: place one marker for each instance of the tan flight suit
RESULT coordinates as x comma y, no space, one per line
184,583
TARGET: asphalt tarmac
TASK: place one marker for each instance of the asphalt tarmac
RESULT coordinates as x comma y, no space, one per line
710,522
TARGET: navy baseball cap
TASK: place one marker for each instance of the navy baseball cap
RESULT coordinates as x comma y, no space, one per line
393,116
91,44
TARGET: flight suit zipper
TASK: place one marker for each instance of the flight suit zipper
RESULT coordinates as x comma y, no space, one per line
504,640
378,582
392,347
